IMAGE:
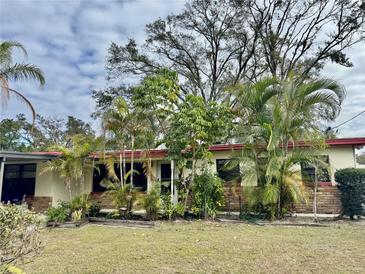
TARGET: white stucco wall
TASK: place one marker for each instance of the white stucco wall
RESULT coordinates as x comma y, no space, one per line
50,184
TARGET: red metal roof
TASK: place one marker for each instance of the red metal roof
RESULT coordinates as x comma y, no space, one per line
161,153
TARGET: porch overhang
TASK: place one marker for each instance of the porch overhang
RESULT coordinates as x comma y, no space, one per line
13,157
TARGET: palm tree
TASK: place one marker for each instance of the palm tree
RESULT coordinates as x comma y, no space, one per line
10,71
73,162
273,116
127,123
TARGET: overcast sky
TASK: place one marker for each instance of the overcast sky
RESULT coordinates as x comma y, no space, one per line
68,40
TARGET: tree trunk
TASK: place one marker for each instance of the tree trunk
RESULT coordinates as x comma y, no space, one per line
121,169
132,161
124,165
315,194
192,179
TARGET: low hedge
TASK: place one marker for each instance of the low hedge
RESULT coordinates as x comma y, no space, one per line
351,183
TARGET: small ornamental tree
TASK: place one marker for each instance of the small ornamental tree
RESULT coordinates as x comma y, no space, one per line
19,236
351,183
194,127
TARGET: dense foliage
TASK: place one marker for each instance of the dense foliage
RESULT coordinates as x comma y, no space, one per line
59,213
171,210
20,135
208,194
271,116
151,202
74,162
19,235
351,183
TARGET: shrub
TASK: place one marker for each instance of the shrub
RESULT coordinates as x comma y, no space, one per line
169,210
351,183
151,202
208,194
60,213
94,209
19,236
80,202
122,197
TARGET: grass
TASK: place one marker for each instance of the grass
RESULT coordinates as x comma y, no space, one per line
202,247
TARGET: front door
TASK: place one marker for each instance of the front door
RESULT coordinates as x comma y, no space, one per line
19,180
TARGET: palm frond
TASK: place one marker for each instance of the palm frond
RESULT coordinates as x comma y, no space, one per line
18,72
6,48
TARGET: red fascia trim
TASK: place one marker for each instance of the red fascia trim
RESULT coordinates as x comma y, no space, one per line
162,153
330,142
137,154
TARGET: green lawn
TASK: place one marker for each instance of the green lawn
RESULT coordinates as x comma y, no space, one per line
202,247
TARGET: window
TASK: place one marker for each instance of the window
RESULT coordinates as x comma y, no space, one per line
139,178
19,180
228,174
165,178
100,173
308,172
165,172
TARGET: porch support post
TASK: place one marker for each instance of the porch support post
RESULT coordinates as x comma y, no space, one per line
2,166
172,180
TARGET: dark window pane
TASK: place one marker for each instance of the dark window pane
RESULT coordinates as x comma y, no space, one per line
139,178
28,171
12,171
100,173
225,173
19,180
165,172
308,172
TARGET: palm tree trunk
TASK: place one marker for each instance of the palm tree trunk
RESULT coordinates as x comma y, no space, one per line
121,169
124,165
132,161
315,194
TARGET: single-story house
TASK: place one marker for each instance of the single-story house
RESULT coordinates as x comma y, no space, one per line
22,175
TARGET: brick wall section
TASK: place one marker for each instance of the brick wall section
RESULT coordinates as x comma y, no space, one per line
104,200
232,194
39,204
328,201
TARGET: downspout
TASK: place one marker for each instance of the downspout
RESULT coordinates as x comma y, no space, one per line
2,166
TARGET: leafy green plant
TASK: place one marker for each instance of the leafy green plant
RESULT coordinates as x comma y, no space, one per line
151,202
208,194
77,215
123,197
80,202
59,213
351,183
94,209
19,236
113,215
169,210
